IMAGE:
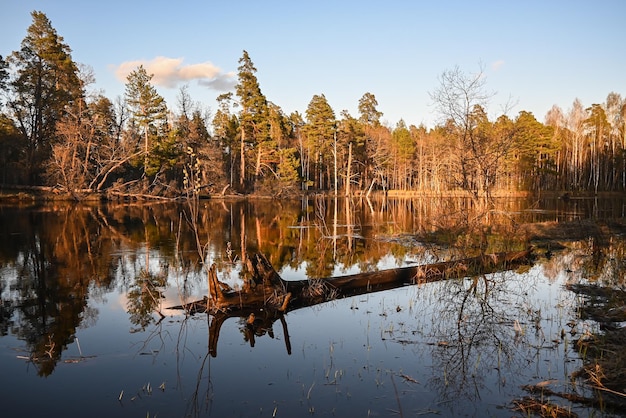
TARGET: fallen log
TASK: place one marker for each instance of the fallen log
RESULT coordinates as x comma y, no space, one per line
265,297
264,288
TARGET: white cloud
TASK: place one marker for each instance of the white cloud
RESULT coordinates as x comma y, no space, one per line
496,65
170,72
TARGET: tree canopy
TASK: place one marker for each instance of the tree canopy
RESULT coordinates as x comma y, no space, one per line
52,133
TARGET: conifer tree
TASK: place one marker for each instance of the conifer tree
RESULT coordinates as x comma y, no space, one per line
320,132
351,137
403,153
598,130
536,150
148,117
225,127
368,114
253,117
45,86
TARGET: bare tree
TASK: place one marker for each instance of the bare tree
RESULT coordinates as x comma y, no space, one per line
460,100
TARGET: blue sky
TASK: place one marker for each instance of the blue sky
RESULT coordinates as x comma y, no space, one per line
534,53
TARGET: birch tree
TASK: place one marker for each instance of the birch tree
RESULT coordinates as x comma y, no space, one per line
597,131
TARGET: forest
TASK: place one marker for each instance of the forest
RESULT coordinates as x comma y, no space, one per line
57,135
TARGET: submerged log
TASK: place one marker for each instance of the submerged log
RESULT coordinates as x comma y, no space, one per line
263,288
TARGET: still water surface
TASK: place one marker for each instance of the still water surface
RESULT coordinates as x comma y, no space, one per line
86,327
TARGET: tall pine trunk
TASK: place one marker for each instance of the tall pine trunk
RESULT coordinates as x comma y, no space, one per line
242,157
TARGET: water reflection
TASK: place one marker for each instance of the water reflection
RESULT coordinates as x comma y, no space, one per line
482,323
59,264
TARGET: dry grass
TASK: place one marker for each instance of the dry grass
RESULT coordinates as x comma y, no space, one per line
572,230
604,357
319,289
605,362
531,406
560,230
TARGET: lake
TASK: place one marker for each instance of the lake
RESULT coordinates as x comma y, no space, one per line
87,325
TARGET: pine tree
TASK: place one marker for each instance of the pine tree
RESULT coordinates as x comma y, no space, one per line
44,87
148,118
368,114
598,130
320,133
225,127
253,117
351,137
403,152
536,150
287,170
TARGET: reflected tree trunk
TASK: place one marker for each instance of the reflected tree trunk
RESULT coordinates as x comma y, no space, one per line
335,226
349,225
242,225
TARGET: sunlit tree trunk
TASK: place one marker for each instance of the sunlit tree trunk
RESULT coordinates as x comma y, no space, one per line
242,158
243,240
349,170
336,175
576,116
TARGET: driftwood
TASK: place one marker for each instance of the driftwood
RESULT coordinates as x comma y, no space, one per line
264,296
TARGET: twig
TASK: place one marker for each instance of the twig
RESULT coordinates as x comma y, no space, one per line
78,345
395,389
609,390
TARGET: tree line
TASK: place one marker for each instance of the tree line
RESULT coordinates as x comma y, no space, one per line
54,132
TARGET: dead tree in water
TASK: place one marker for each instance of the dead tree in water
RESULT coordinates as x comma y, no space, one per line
264,288
264,296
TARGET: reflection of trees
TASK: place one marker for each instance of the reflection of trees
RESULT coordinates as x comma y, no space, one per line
474,333
603,260
323,233
56,259
144,298
586,251
598,278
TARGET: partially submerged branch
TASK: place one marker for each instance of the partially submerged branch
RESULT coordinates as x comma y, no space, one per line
263,288
265,297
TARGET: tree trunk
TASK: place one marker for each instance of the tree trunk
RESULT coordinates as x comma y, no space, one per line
336,169
242,157
349,168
